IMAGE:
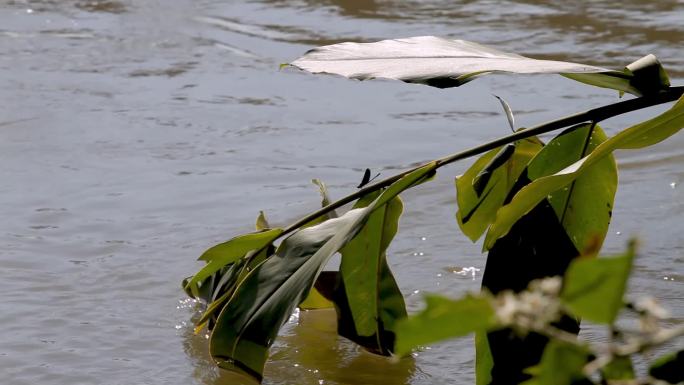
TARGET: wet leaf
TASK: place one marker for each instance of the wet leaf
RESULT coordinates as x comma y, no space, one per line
368,297
443,63
262,303
594,287
443,319
483,188
228,252
641,135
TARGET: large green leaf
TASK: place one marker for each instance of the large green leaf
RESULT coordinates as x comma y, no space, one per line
594,287
249,322
224,254
442,319
367,297
442,63
641,135
584,208
561,364
483,188
484,362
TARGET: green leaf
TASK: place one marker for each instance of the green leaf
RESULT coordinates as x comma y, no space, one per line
484,362
669,368
483,188
262,303
262,222
228,252
584,207
368,298
641,135
361,261
561,364
315,300
594,288
619,368
443,63
443,319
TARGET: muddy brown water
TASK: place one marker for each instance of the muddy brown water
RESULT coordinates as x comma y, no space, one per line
134,134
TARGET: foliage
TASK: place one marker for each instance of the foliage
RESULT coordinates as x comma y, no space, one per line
545,206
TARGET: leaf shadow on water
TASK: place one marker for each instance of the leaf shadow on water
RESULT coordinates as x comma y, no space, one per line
308,351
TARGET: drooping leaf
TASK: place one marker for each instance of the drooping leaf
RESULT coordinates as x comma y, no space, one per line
561,364
368,298
584,207
228,252
482,189
262,303
483,359
619,368
443,63
641,135
228,281
646,75
669,368
443,319
594,287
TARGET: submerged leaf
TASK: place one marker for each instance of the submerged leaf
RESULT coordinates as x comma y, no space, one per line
594,287
442,319
262,303
641,135
443,63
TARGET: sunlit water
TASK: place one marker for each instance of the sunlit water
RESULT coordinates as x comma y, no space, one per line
135,134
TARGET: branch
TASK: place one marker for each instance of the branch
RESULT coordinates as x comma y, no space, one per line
595,115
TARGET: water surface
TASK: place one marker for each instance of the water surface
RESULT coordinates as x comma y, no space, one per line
134,134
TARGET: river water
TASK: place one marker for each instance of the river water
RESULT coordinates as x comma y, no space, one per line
135,134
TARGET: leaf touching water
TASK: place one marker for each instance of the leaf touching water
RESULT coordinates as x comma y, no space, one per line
443,63
641,135
249,322
368,297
